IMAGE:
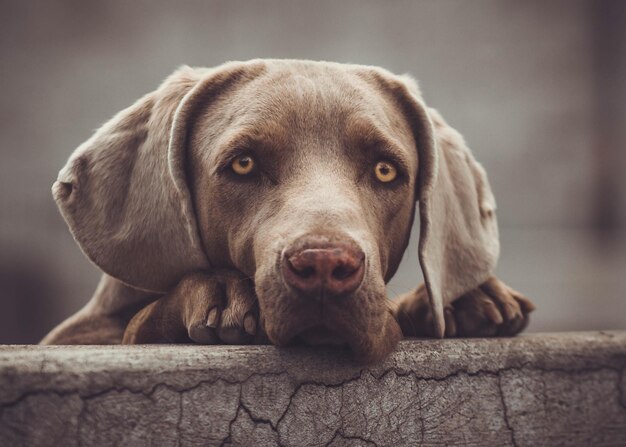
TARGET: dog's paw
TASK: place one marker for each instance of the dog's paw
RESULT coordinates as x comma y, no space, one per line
225,311
491,309
206,308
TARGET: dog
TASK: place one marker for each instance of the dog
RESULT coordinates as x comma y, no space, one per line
272,200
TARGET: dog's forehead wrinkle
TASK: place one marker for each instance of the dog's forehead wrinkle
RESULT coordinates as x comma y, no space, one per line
308,95
310,106
328,110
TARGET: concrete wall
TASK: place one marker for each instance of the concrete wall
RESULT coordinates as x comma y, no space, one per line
565,390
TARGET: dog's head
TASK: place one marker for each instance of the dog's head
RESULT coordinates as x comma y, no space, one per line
302,175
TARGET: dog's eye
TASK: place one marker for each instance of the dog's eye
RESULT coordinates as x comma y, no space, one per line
385,171
243,165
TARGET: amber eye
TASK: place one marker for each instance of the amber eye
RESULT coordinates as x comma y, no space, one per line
385,171
243,165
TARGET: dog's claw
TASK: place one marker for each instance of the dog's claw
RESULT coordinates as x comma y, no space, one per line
212,318
241,306
203,334
249,324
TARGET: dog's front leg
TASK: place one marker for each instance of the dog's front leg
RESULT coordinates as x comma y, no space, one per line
489,310
206,308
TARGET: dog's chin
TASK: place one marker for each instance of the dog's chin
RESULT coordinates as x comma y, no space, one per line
320,336
305,334
366,347
370,334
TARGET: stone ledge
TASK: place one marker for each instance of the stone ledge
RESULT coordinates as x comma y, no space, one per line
542,389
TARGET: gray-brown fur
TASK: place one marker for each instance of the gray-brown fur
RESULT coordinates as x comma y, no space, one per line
152,200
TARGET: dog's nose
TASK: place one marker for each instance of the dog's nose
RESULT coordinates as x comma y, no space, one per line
332,269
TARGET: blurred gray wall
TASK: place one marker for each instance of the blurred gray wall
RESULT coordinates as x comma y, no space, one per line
536,87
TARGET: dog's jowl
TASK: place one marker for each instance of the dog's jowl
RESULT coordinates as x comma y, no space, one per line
273,200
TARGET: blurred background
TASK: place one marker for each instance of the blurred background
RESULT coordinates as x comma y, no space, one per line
538,88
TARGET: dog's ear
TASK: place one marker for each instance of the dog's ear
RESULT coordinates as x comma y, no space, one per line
124,191
459,245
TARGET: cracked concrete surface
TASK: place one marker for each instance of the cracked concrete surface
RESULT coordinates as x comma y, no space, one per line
542,389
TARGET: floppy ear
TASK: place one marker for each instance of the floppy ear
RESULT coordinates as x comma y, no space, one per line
124,191
459,245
